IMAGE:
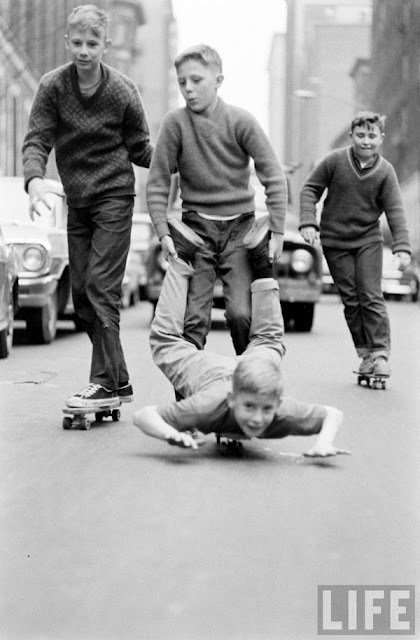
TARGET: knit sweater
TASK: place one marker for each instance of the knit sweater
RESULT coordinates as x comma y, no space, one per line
212,155
354,202
95,139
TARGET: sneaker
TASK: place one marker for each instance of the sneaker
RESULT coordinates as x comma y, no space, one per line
366,366
125,392
185,239
257,232
94,395
381,367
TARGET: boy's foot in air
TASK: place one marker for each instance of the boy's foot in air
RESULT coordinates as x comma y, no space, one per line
94,395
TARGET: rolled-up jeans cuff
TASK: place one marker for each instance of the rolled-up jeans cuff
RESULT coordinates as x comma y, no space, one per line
264,284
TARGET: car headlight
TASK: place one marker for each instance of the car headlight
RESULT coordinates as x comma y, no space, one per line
302,261
34,258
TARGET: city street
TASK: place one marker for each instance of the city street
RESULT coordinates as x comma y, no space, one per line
110,535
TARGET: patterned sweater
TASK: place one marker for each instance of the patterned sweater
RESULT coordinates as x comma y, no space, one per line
95,139
354,202
213,156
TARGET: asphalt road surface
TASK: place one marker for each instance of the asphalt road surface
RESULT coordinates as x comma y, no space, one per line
109,535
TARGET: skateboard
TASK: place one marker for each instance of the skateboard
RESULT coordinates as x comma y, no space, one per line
76,418
374,380
230,443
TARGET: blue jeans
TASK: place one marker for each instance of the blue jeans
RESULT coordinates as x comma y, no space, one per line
191,370
225,256
357,273
99,240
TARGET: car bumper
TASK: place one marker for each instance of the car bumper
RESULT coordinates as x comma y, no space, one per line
35,292
290,291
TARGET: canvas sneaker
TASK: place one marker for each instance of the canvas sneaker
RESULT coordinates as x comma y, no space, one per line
186,241
125,392
94,395
257,232
381,367
366,366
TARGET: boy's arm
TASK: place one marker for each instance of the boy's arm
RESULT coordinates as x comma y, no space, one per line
311,192
162,167
324,446
391,202
152,424
136,131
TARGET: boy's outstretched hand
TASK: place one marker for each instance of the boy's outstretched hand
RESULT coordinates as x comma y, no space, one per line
183,440
325,451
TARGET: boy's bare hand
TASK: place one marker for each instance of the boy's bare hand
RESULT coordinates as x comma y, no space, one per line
183,440
404,259
325,451
275,246
310,234
37,190
168,247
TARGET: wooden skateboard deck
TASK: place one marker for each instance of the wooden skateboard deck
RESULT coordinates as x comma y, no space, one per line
76,417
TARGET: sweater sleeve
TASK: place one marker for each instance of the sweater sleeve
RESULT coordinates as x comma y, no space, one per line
162,166
391,202
312,190
136,131
268,170
40,136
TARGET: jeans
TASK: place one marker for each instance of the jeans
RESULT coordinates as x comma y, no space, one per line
99,240
225,256
189,369
357,273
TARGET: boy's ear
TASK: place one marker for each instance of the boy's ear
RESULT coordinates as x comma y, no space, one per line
108,44
66,41
219,80
230,399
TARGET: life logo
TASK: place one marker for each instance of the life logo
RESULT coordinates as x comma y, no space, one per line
366,610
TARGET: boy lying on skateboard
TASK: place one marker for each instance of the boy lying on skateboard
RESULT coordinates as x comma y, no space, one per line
242,394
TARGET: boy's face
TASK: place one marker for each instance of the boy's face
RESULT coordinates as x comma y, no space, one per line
86,49
253,412
199,85
366,141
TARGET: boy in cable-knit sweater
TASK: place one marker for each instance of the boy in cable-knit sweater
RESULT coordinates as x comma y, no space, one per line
361,186
92,115
210,144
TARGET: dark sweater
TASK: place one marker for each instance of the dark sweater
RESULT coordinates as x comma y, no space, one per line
95,139
356,199
213,156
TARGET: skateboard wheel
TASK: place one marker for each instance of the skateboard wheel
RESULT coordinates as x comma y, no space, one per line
67,422
116,415
84,424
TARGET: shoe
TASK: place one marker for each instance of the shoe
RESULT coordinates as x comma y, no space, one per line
186,241
381,367
257,232
366,366
125,392
94,395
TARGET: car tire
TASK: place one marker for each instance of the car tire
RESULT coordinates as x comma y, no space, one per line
6,336
41,324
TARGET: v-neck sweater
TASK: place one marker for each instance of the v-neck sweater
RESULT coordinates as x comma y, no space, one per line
354,203
95,139
212,155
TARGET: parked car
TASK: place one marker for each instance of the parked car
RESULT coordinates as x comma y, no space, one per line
41,249
299,272
396,284
9,283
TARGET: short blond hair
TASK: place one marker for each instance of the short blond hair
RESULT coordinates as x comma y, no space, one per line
89,16
258,373
208,56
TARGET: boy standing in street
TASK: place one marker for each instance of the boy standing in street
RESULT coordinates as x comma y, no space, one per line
242,395
92,115
361,185
211,144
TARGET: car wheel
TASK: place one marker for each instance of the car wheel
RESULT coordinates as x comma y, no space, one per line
41,324
6,336
303,316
